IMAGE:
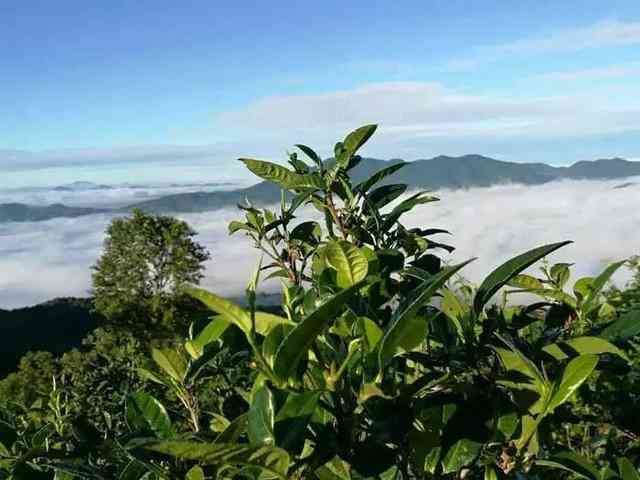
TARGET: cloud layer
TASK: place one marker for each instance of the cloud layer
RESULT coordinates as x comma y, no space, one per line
415,113
612,33
42,260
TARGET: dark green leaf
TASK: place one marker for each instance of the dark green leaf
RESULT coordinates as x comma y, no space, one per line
146,413
571,462
384,195
405,316
363,187
582,346
627,470
627,326
507,271
297,342
293,418
591,300
262,418
270,460
460,455
574,375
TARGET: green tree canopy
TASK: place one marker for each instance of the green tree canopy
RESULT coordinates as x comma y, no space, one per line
146,261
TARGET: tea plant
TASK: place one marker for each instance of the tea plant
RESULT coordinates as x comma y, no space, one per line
381,364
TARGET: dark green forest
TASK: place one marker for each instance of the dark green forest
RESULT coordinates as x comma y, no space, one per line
380,362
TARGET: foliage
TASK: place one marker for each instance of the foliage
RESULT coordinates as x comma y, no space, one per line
381,364
55,326
147,259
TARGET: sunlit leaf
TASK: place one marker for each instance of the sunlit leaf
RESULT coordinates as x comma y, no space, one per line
460,455
262,417
582,346
574,375
145,413
348,261
171,362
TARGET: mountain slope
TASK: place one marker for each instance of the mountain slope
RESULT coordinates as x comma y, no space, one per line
19,212
435,173
55,326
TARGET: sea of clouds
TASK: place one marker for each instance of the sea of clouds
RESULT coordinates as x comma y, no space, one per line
104,196
42,260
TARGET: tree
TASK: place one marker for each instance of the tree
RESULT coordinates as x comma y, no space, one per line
146,261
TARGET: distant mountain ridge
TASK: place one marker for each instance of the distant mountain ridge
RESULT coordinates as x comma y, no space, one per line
435,173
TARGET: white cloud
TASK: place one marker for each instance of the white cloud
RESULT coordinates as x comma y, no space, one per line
588,74
23,160
611,33
42,260
410,110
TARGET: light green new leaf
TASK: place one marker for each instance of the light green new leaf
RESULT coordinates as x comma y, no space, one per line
297,342
282,176
272,461
262,418
627,470
507,271
171,362
236,226
582,287
529,434
210,333
232,313
265,322
582,346
490,473
228,310
371,333
627,326
526,282
404,319
146,413
348,261
560,273
453,308
574,375
461,454
591,300
335,469
195,473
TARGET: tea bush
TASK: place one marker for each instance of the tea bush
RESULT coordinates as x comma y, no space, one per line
380,364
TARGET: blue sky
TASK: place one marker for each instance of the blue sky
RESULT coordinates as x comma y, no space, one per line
88,84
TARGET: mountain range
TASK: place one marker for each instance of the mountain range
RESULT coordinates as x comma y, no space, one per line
435,173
